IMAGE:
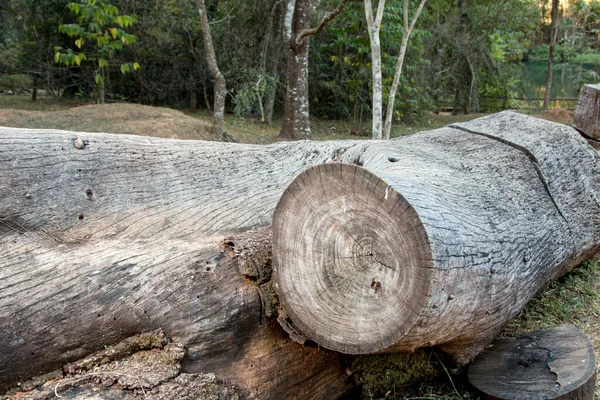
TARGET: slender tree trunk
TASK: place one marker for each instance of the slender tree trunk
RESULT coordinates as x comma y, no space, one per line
34,90
206,100
373,26
101,85
193,94
272,59
407,31
213,67
269,106
553,34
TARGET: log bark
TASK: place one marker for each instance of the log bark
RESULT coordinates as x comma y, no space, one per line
439,239
554,363
104,236
586,117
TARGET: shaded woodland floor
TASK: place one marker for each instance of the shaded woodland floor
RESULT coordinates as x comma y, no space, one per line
572,299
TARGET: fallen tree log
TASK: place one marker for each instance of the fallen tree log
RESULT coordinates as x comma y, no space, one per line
106,236
586,117
439,239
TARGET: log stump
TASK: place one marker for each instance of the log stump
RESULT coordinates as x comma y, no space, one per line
586,117
438,239
554,363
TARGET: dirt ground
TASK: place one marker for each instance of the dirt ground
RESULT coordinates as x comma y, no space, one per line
132,119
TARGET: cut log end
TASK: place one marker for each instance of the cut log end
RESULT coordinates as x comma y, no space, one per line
554,363
586,117
352,259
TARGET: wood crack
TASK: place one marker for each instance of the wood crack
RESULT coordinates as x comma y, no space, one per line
532,158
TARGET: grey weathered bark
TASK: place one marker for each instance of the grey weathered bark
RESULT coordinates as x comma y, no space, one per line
389,114
553,35
373,27
106,236
554,363
297,32
439,239
220,87
586,117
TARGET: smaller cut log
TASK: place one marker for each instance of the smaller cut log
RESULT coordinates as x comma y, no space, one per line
554,363
586,117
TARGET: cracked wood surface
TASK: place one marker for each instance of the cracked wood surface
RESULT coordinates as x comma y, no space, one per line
439,239
104,236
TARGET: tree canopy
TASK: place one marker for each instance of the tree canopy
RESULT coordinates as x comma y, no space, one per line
460,54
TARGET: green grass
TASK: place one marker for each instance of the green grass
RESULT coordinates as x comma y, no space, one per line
572,299
252,130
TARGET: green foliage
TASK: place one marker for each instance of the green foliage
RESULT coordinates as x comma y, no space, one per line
99,25
249,95
561,53
587,58
341,62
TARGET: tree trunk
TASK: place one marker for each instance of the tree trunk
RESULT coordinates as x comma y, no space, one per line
296,122
211,60
553,34
297,31
373,26
439,239
105,236
554,363
586,117
193,95
389,114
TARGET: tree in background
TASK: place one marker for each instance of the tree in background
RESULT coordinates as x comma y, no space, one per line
296,32
101,27
457,51
553,35
405,36
373,27
219,79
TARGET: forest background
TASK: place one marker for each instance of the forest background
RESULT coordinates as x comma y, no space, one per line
464,56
